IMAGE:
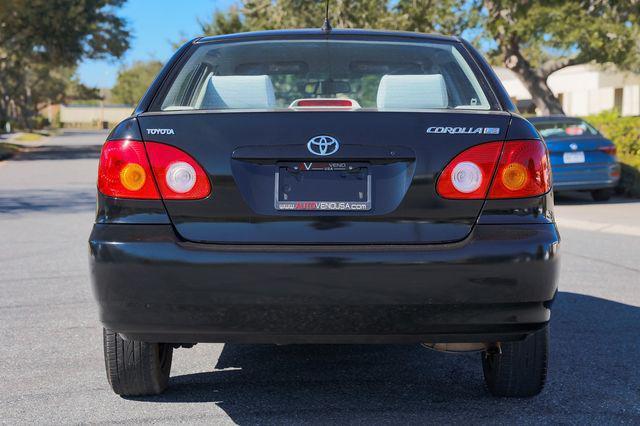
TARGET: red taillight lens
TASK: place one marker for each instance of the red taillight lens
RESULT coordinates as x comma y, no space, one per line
523,171
179,177
611,150
124,171
469,174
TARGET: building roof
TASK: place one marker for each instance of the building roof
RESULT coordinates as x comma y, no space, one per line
555,118
505,74
576,78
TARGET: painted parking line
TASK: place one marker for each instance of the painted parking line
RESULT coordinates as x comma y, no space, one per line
607,228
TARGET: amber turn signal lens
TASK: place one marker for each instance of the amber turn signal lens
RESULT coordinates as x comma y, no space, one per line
514,176
133,176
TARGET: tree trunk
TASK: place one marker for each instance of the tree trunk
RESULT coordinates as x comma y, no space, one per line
543,98
502,16
535,81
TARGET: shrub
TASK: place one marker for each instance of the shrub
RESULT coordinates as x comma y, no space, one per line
625,133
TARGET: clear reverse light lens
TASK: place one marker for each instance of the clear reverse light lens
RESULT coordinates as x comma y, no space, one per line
466,177
181,177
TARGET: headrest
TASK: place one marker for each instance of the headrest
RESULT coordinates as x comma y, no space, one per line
238,92
417,91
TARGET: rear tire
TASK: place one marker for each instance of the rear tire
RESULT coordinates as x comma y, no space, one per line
601,194
136,368
520,370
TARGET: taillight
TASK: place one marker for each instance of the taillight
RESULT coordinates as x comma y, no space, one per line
324,103
469,174
179,177
522,171
609,149
124,171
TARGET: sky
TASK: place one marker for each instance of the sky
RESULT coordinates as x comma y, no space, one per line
154,26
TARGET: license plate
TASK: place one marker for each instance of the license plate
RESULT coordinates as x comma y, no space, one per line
573,157
318,186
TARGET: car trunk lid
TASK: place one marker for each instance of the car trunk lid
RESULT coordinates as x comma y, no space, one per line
387,161
577,150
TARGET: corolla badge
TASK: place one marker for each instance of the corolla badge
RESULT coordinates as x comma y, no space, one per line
464,130
323,145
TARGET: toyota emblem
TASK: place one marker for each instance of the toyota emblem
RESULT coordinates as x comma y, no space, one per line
323,145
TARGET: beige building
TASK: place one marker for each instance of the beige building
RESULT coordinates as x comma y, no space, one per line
93,116
582,89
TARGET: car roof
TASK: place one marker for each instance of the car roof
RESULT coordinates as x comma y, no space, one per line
316,32
555,119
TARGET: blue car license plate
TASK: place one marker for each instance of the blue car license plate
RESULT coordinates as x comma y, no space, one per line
573,157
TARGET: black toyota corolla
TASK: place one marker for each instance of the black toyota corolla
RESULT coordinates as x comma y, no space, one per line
309,186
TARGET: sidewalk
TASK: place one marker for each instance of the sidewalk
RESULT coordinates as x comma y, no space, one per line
618,216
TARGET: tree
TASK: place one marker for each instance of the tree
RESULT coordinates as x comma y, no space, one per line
411,15
434,16
223,22
133,81
533,38
253,15
537,38
41,42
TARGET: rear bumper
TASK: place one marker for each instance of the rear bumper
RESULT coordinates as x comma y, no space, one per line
495,285
585,176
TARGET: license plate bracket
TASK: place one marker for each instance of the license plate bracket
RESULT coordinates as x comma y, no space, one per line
323,186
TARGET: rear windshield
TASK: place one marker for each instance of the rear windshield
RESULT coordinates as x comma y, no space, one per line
295,74
565,129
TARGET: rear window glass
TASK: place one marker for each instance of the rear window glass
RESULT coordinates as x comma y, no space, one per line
565,129
296,74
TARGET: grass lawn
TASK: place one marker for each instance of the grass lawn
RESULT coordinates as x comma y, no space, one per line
28,137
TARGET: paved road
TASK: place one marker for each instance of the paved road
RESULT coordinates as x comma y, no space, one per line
53,371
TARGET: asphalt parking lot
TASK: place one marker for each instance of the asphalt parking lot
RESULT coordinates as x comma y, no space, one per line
51,352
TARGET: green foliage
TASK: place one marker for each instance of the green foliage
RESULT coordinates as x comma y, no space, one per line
550,30
409,15
265,14
625,133
59,32
532,38
223,22
133,81
537,38
428,16
41,42
28,137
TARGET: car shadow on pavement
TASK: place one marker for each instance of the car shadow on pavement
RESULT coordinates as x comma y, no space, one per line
60,201
59,152
581,198
45,197
593,376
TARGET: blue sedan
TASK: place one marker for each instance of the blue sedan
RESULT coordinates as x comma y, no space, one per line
581,158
